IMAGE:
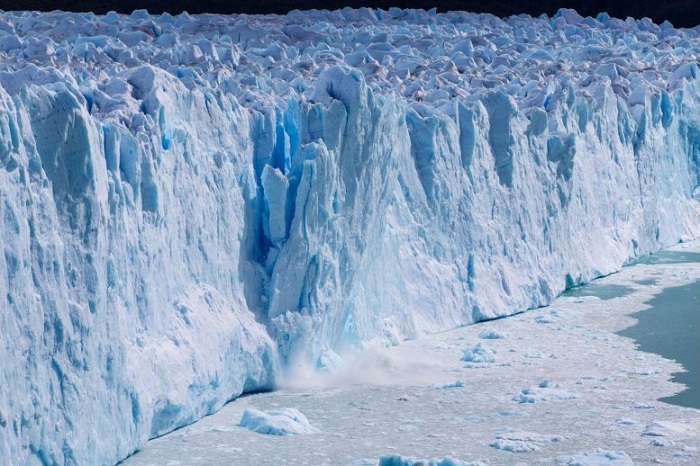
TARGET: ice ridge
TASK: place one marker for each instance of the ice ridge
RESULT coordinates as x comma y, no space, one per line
190,203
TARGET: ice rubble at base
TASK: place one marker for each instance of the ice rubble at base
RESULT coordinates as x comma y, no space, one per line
188,201
397,460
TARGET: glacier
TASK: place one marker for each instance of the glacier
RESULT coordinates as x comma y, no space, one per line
195,205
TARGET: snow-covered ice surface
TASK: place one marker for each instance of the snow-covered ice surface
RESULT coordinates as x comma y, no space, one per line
418,401
188,203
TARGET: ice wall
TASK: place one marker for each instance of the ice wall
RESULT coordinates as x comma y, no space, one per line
417,222
124,278
186,201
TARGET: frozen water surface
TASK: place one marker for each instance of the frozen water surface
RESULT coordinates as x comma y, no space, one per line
595,397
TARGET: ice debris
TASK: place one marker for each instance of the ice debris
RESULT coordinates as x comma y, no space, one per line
397,460
522,442
545,392
596,458
478,354
283,421
491,334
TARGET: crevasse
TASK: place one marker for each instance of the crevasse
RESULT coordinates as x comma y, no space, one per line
190,205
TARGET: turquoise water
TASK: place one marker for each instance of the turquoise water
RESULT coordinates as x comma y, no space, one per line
671,328
598,290
617,291
668,257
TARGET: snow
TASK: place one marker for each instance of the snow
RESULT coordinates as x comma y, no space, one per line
196,207
284,421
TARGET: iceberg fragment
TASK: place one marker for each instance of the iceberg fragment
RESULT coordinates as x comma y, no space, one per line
284,421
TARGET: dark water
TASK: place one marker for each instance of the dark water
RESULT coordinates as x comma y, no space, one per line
671,328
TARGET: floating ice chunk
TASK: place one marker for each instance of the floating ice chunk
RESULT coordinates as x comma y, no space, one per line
284,421
596,458
665,429
514,446
478,354
491,334
223,429
546,392
661,442
455,384
397,460
544,320
685,454
646,371
529,436
525,396
578,299
522,442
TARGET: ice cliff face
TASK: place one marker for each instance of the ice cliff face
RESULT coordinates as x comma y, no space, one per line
189,202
